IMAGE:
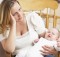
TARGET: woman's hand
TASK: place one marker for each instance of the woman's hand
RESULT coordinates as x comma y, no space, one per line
48,50
13,21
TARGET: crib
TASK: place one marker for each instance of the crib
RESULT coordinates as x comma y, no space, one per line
38,6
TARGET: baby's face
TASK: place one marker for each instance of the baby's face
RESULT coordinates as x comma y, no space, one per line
52,34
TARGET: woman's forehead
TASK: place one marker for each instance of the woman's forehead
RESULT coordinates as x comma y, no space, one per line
15,7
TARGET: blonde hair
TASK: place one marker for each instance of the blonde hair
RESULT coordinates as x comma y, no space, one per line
5,8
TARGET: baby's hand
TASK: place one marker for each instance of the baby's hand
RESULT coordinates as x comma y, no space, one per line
35,41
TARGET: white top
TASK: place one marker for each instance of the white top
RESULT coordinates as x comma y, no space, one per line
35,26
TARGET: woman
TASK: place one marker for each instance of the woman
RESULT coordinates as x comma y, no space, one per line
18,30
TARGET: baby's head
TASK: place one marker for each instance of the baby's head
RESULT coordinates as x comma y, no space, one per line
52,34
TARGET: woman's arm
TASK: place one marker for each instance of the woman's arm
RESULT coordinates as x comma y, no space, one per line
9,43
38,24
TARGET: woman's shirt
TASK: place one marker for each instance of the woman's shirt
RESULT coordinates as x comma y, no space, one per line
35,26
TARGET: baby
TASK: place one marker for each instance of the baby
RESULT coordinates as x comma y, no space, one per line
50,40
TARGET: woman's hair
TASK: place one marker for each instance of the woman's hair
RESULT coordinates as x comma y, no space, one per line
5,8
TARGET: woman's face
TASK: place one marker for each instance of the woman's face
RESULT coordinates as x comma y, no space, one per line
17,12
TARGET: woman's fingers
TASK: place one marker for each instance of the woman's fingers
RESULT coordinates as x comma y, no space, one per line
12,17
48,50
13,21
43,52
